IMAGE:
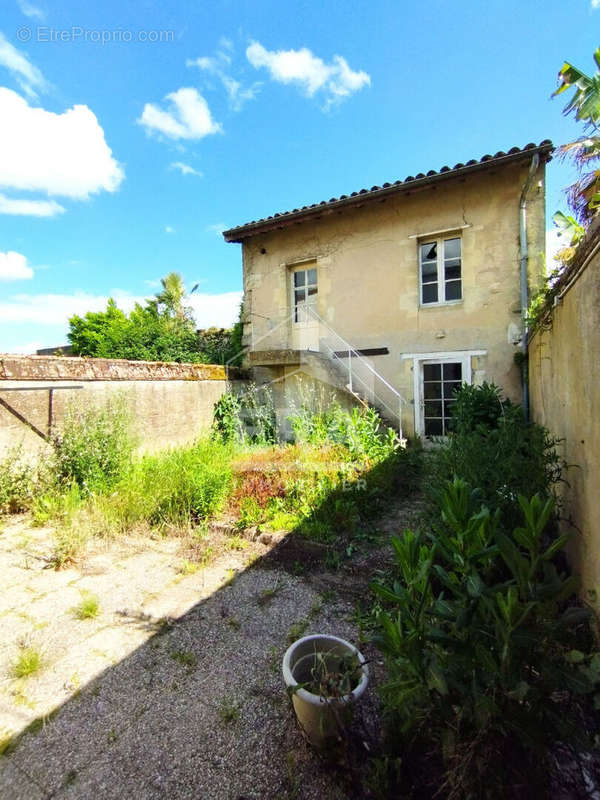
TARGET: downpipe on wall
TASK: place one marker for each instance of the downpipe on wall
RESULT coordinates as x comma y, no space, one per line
535,162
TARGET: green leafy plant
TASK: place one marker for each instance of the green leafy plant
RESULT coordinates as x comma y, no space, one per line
94,448
18,479
332,675
494,448
360,430
480,628
228,710
584,194
226,418
185,658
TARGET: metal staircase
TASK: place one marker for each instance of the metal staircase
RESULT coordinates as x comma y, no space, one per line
272,338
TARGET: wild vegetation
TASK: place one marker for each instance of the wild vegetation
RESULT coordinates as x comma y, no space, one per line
163,329
93,484
489,654
583,195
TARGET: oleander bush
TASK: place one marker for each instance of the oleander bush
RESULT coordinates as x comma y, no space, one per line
487,650
494,448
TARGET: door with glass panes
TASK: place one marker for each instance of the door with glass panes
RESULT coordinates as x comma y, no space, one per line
439,380
305,323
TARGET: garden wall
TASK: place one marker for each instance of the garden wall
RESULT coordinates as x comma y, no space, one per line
564,368
171,404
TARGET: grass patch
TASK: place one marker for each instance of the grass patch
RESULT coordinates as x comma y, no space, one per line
268,594
184,657
228,710
28,662
188,567
297,630
6,742
236,542
88,607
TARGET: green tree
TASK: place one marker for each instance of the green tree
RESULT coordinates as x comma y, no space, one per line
161,330
170,300
584,194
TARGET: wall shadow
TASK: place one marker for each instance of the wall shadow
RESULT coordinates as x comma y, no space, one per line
199,710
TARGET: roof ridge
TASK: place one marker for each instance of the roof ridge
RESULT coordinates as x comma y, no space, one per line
241,232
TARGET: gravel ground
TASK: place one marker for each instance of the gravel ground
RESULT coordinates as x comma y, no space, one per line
175,690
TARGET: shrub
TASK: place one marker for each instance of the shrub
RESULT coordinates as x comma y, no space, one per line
482,649
17,483
478,407
226,418
495,449
248,417
94,448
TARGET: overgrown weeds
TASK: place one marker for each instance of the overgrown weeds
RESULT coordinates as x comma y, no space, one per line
94,447
18,479
88,607
28,661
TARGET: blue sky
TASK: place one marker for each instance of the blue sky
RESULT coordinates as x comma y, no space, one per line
132,133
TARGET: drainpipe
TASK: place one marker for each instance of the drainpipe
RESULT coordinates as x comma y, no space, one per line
535,161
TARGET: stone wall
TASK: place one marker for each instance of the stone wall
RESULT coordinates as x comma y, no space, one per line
564,381
171,404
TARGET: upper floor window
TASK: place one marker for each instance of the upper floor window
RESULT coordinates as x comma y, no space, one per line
305,292
440,271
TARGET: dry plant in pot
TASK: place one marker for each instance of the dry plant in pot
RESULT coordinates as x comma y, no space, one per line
325,676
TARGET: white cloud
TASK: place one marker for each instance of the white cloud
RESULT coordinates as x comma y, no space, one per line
59,154
55,309
219,310
301,67
188,116
215,310
14,267
219,65
595,3
29,208
185,169
29,77
169,229
30,10
207,63
28,349
238,94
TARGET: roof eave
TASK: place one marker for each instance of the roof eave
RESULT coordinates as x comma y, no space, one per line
280,221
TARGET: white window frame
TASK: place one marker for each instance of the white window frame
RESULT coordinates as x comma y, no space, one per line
304,267
419,359
441,277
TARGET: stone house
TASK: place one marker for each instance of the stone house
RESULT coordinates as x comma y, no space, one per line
403,290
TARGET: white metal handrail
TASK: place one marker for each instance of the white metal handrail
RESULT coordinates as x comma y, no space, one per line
356,354
281,320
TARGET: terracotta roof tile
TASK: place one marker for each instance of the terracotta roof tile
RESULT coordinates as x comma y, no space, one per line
283,218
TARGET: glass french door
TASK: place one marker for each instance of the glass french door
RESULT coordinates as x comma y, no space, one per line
439,381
